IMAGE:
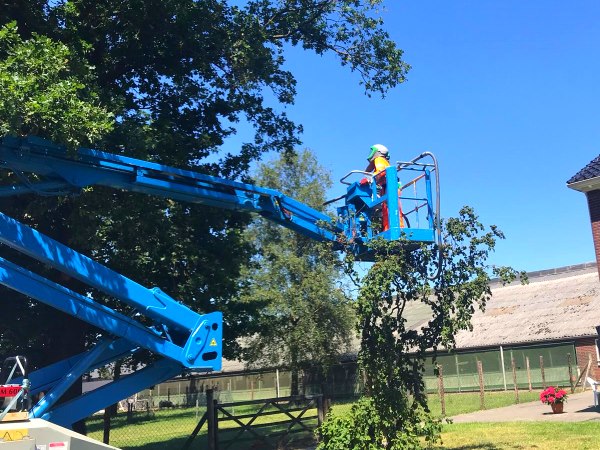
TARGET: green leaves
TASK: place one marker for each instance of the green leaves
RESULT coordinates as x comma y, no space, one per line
171,81
46,90
305,320
351,30
392,354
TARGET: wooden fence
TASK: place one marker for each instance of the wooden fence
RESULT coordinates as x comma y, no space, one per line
291,415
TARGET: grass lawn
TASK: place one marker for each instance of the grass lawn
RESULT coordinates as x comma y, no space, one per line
461,403
500,436
170,428
521,435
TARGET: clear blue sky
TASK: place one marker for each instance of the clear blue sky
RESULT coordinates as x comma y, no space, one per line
505,93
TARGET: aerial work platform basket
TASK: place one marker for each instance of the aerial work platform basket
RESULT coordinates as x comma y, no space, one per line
404,192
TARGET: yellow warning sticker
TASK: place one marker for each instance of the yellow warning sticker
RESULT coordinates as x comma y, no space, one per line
213,343
13,435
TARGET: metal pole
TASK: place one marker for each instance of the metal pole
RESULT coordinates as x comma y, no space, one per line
528,373
503,371
457,371
391,195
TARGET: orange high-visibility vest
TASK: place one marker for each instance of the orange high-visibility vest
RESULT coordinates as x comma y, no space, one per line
378,165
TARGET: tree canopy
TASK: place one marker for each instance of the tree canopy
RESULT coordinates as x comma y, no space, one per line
393,413
305,319
168,81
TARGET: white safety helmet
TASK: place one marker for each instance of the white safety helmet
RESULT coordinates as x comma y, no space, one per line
378,150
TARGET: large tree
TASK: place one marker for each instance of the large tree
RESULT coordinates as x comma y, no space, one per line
393,413
305,319
178,76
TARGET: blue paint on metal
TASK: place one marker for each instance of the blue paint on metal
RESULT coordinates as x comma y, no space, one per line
76,372
151,302
89,167
430,213
186,339
84,308
44,379
87,404
391,198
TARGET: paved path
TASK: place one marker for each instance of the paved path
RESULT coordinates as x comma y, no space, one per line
579,408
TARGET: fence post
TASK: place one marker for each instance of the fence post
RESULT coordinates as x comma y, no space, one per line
320,410
528,373
514,371
129,410
441,388
481,386
543,372
277,388
587,371
210,418
569,362
106,434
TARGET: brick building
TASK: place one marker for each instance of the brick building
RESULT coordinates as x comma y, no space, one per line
587,180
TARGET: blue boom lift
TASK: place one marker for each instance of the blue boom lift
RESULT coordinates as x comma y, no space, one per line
182,339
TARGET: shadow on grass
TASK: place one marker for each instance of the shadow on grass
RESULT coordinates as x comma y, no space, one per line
96,423
174,444
201,442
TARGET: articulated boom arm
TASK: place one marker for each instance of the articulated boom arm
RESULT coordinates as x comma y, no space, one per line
180,338
64,173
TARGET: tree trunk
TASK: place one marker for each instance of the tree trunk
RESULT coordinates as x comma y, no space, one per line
295,381
111,411
295,385
70,340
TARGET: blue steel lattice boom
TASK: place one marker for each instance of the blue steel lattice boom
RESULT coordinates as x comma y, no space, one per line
181,338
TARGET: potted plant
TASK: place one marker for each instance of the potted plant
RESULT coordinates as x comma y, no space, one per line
555,397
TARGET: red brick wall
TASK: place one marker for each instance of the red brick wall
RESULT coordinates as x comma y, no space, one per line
584,348
593,199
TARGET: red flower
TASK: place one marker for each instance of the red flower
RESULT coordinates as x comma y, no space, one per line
553,395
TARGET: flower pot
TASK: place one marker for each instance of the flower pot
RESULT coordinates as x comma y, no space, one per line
557,408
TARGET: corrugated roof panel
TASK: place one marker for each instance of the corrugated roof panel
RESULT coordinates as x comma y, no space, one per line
549,308
557,304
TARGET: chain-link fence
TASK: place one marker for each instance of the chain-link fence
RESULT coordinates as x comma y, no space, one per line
150,423
163,417
538,366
